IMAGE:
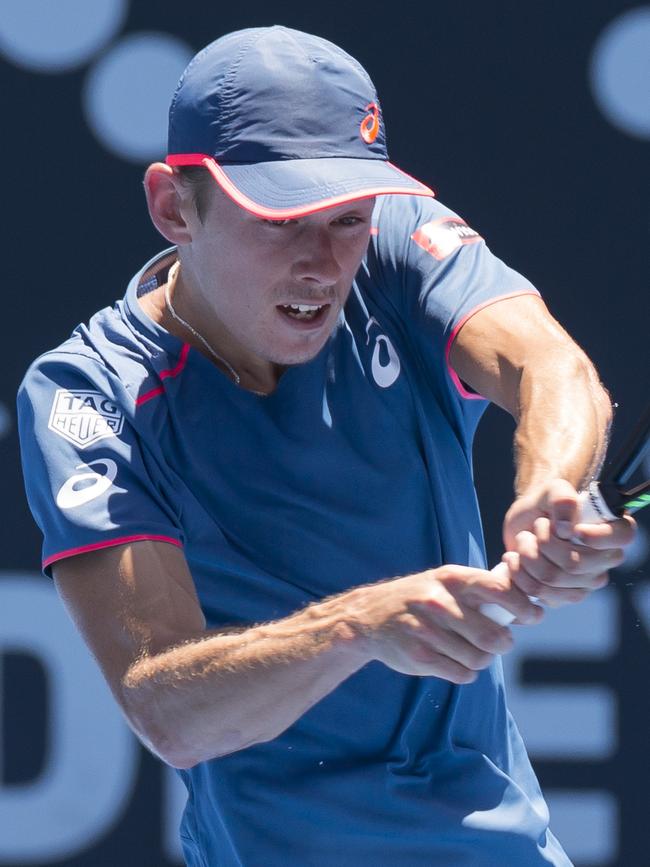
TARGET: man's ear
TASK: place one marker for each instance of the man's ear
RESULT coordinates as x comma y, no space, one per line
167,207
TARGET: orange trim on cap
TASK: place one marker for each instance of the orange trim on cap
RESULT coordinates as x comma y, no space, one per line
286,213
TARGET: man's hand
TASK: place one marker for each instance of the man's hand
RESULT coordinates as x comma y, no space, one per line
136,606
554,557
430,624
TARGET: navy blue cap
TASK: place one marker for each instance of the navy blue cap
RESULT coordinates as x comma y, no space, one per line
286,122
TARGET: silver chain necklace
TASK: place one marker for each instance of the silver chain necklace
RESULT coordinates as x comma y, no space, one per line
173,271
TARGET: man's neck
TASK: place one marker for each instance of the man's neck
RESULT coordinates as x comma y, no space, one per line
221,350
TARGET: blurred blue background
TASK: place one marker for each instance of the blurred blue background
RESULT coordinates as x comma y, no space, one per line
532,120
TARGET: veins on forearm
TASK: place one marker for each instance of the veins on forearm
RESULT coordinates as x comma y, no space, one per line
563,416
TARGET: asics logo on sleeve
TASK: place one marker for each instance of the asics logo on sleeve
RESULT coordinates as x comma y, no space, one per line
83,487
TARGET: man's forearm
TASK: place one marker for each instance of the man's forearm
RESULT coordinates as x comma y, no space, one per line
216,695
227,691
563,422
515,354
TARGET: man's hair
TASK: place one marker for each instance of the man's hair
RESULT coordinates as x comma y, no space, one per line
199,181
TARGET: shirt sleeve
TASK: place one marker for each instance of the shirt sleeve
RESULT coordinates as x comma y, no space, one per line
89,481
440,272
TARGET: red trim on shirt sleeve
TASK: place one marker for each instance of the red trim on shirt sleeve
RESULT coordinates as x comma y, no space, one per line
178,367
165,374
95,546
471,395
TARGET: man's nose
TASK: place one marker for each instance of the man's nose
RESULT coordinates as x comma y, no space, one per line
315,260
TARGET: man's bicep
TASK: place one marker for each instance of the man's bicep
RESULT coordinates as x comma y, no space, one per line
130,601
499,341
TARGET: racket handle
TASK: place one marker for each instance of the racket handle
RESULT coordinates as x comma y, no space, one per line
496,612
592,510
592,507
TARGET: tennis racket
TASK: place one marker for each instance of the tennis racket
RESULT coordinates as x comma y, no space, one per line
603,500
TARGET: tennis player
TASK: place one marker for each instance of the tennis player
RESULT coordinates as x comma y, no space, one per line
253,476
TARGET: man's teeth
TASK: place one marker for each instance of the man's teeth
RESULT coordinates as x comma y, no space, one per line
303,311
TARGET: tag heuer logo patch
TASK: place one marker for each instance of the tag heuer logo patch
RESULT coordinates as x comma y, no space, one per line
83,417
441,237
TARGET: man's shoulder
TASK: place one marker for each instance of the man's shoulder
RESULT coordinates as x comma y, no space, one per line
116,351
404,214
416,235
105,355
75,354
406,236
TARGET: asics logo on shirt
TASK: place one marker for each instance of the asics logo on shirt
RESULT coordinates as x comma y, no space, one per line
385,363
85,486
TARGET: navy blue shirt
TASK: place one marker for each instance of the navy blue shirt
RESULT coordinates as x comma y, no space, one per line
355,469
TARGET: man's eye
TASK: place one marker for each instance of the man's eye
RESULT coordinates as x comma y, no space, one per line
279,222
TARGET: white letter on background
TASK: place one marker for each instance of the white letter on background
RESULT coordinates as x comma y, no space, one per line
92,756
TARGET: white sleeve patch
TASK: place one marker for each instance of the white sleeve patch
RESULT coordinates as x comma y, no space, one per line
441,237
84,417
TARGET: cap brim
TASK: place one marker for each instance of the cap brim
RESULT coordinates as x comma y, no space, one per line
283,189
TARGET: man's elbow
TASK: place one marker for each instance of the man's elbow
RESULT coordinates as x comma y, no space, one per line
171,753
569,364
175,751
171,725
160,727
599,395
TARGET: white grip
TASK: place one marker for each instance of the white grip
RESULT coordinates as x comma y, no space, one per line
495,612
592,510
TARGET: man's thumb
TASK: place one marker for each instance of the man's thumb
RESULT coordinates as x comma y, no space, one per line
563,508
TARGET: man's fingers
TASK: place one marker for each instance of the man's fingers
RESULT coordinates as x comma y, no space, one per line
550,596
613,534
452,618
431,662
559,563
467,626
484,633
556,558
563,590
500,590
461,632
563,508
456,647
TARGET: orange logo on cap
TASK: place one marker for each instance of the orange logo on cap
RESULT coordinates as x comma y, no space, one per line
370,124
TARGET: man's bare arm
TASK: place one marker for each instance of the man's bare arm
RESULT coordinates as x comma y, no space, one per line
191,694
514,353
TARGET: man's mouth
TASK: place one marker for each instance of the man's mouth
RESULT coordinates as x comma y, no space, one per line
304,312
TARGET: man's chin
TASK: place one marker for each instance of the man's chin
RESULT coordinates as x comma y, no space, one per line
290,356
297,359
